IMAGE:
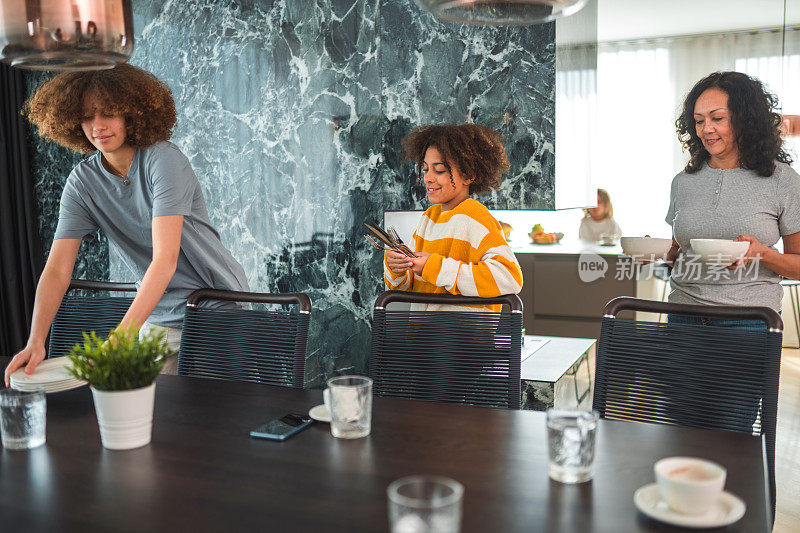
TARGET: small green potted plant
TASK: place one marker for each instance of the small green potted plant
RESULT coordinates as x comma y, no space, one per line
121,371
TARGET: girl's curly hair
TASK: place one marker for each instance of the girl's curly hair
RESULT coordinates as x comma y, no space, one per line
755,123
476,151
56,108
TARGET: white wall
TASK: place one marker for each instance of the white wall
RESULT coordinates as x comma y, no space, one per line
619,20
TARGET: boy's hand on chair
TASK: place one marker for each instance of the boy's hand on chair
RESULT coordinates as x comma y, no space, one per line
418,263
398,263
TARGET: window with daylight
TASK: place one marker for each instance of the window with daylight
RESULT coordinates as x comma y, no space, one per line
634,151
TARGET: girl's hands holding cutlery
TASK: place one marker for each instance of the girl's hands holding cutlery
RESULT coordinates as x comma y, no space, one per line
399,263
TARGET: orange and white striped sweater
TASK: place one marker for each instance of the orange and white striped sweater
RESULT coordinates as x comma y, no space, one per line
469,256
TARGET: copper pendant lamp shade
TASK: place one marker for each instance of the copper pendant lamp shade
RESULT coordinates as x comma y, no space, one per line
790,125
501,12
65,34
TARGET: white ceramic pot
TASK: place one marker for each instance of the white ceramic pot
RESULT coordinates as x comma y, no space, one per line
125,417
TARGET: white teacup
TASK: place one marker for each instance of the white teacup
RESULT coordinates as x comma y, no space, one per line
688,484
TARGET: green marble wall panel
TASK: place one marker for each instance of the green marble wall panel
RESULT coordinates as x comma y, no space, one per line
291,112
503,77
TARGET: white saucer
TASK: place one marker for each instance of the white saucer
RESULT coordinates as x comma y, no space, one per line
48,371
726,511
48,388
51,375
320,413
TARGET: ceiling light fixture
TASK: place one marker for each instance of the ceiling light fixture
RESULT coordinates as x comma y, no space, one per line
65,34
501,12
790,125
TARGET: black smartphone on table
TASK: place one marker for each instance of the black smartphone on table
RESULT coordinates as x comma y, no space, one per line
282,428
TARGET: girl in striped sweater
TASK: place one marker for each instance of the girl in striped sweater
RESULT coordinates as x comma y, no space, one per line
459,245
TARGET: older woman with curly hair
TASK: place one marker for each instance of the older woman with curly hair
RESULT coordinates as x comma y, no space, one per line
139,189
737,185
459,245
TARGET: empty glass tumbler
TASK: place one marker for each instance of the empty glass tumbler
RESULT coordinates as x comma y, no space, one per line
350,406
571,437
22,419
425,504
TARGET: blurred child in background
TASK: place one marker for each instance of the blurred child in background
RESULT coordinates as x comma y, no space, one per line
598,223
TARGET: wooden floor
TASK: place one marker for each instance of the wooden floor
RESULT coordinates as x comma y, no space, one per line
787,445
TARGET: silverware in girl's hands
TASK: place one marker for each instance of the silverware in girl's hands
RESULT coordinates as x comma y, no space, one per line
396,237
390,239
372,242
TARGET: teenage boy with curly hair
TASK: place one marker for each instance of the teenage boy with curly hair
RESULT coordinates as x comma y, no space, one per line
459,245
139,189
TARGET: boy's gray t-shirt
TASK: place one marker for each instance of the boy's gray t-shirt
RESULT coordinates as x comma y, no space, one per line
723,204
162,183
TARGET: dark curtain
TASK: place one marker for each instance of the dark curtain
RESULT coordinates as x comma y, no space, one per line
20,246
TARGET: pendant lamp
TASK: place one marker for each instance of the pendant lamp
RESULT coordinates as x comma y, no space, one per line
790,125
65,34
501,12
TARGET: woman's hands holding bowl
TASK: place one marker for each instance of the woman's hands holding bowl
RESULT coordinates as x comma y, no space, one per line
673,252
755,252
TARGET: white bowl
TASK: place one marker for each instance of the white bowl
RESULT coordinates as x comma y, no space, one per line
648,248
719,251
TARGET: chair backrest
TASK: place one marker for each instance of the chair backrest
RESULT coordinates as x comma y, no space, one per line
237,344
691,375
471,358
77,313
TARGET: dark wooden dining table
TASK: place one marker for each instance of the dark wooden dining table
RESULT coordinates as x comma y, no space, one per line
202,471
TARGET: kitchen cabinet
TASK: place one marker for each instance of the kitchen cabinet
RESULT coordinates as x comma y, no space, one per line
558,300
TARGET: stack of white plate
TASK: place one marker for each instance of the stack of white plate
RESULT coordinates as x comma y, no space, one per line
51,375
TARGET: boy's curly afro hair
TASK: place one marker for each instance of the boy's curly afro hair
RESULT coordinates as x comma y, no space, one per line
477,152
56,108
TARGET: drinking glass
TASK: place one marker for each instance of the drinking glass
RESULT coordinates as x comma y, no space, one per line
350,406
22,418
425,504
571,436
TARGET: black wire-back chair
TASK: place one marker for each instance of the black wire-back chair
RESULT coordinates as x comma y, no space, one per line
237,344
691,375
79,313
471,358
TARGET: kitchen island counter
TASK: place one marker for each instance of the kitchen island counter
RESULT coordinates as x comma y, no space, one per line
563,301
566,246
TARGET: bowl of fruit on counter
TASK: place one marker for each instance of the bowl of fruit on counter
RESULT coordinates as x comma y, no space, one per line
539,236
506,227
